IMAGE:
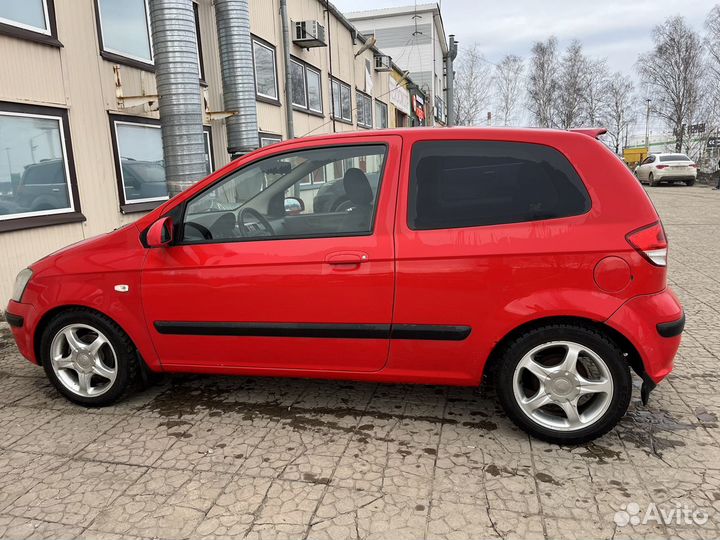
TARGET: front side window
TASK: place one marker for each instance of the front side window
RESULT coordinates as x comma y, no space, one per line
139,160
265,71
364,110
125,29
285,197
381,115
26,14
35,172
473,183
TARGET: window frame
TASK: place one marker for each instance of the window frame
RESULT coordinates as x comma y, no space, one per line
264,135
28,32
119,56
273,100
341,84
307,108
368,100
42,218
142,205
181,209
411,215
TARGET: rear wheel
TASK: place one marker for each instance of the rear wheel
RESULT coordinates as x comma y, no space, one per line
564,384
87,357
690,182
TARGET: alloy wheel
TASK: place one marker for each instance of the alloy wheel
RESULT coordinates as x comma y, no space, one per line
83,360
563,385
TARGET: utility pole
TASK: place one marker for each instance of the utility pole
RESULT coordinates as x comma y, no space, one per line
647,125
450,76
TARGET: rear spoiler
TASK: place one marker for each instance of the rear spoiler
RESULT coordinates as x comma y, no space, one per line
590,132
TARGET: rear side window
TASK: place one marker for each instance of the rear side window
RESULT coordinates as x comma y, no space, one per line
472,183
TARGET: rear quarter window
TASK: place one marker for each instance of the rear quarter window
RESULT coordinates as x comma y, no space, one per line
457,184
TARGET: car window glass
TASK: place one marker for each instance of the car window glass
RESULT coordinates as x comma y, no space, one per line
674,157
473,183
309,193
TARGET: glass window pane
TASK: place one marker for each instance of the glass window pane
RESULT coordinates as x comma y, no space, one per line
141,162
259,201
314,90
470,184
336,99
297,73
265,81
125,28
346,103
28,13
33,174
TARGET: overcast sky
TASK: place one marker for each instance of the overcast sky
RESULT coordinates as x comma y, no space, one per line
616,29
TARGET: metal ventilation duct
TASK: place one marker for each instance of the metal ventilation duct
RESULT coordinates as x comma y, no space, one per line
238,77
178,85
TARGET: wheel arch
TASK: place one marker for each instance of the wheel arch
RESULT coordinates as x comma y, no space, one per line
631,353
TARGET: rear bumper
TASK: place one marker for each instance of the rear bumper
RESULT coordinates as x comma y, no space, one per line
22,320
653,324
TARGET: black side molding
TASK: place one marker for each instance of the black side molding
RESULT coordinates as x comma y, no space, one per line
315,330
671,329
14,320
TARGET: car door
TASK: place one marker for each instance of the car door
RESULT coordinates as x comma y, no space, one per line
257,280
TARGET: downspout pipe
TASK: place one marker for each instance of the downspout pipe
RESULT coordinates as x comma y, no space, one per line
451,55
178,86
238,76
290,127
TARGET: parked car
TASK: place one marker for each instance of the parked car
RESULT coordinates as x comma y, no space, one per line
42,187
530,258
658,168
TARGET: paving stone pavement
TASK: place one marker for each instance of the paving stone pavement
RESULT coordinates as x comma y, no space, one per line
212,457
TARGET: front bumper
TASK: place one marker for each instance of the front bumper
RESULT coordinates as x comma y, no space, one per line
653,323
22,320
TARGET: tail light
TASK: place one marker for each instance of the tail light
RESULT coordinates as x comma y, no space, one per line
661,166
650,242
693,165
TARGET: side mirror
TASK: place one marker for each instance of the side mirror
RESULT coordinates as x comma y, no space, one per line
160,233
294,206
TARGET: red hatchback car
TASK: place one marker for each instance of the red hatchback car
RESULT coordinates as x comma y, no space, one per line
531,257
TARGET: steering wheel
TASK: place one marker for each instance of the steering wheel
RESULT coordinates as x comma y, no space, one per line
202,229
265,228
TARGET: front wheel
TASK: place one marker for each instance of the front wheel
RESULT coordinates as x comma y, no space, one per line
564,384
651,180
87,357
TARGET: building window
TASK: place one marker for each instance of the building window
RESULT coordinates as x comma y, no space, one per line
139,164
266,139
265,71
37,177
29,19
125,29
342,102
364,109
439,109
381,115
306,93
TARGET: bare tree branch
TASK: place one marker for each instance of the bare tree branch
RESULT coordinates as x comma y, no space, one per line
509,87
473,83
542,83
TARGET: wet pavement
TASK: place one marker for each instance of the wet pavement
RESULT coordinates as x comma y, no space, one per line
212,457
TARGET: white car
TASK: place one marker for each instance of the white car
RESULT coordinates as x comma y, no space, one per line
666,167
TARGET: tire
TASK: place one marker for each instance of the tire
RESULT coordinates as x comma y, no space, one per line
116,355
599,411
651,180
690,183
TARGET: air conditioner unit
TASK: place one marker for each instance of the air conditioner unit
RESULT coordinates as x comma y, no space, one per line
383,62
309,34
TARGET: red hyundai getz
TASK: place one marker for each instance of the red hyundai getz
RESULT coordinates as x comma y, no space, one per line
422,255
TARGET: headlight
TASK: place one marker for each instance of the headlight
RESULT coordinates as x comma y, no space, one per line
21,281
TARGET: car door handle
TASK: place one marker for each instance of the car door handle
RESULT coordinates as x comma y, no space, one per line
346,257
